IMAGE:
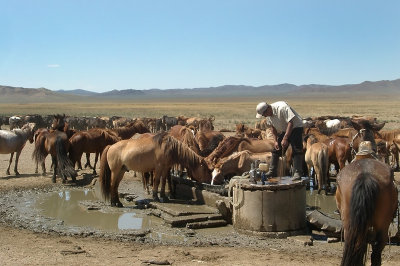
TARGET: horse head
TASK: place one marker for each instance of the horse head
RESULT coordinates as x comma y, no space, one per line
29,128
58,122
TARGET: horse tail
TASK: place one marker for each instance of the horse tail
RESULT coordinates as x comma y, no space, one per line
362,206
105,174
323,161
64,164
39,153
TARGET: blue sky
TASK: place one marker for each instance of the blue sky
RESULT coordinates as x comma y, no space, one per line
104,45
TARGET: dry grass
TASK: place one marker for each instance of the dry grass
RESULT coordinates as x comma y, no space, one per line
227,113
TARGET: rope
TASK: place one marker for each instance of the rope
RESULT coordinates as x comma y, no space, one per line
236,198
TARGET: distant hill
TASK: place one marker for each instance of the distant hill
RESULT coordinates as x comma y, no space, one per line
78,92
385,88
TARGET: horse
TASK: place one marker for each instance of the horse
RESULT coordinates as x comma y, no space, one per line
14,141
317,156
257,145
393,138
237,164
226,148
155,153
90,141
131,129
367,199
339,151
208,140
56,144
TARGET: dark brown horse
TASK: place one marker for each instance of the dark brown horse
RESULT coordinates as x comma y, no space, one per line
90,141
157,153
56,144
366,197
131,129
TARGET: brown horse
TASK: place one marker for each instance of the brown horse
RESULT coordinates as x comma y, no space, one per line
156,154
317,156
367,199
90,141
226,148
56,144
237,164
257,145
14,141
208,140
131,129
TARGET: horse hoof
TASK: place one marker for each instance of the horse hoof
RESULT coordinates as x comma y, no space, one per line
16,173
117,204
164,200
8,172
54,180
157,199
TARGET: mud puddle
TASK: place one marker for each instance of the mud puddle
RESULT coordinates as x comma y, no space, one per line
81,208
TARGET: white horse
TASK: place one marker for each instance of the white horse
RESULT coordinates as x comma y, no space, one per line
14,141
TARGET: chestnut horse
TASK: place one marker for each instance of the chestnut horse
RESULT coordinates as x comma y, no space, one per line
237,164
317,156
156,153
14,141
366,197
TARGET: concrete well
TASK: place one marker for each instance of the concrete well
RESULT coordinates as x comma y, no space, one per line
277,209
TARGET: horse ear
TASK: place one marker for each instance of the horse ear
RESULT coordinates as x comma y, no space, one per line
245,155
356,125
378,127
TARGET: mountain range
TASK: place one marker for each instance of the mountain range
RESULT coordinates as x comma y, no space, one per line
384,88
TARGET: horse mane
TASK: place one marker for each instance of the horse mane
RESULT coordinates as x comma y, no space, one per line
212,145
189,139
226,146
230,157
110,136
177,151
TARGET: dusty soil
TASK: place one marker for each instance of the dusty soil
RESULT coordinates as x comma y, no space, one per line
24,241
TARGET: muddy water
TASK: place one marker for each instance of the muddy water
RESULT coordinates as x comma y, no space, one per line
321,202
74,208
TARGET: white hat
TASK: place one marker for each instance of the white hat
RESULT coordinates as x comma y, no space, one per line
261,107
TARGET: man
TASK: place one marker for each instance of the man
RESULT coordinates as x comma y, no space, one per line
287,127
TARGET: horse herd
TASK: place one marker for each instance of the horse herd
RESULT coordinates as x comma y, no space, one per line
366,196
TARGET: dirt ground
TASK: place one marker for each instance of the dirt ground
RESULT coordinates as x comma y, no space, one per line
19,246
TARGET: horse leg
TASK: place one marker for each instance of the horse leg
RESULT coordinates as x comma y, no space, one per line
87,161
37,168
377,248
43,168
9,164
95,162
164,178
16,162
145,181
54,164
115,180
156,183
171,186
